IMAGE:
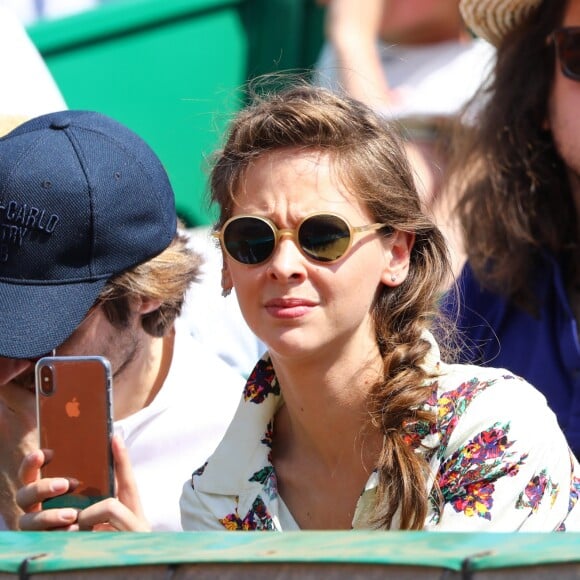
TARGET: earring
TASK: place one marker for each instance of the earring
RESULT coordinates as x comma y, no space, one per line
225,291
393,278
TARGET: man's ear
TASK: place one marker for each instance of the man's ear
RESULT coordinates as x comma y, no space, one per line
144,305
398,257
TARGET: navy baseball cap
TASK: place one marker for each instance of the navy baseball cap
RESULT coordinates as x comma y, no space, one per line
82,198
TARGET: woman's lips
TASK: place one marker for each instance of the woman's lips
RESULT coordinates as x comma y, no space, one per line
289,307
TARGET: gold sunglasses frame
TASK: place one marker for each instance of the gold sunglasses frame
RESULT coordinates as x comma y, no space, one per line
293,234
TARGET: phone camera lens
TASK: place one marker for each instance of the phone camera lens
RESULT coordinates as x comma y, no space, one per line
46,380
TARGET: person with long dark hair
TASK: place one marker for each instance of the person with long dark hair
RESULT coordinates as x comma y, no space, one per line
518,171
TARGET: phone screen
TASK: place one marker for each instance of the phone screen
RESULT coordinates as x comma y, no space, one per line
74,408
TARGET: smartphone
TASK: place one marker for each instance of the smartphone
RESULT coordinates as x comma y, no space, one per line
74,412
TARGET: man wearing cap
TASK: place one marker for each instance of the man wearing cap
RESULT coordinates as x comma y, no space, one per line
92,263
519,301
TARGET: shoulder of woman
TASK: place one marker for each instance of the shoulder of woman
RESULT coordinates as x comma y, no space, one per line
472,400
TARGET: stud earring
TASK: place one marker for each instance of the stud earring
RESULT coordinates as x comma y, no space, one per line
393,278
225,291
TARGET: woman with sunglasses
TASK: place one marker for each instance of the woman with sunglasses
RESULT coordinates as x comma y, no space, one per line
519,170
351,419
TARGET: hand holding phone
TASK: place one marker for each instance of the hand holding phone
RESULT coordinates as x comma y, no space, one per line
74,410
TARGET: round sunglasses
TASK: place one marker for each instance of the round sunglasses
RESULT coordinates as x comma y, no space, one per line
567,43
322,237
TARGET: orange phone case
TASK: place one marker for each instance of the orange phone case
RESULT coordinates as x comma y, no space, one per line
74,407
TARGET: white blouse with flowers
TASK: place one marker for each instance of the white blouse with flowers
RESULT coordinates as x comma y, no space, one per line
496,452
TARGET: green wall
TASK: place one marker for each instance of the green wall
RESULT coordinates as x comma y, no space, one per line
174,70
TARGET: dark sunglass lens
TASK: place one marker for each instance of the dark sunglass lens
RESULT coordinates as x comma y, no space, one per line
324,237
569,51
249,240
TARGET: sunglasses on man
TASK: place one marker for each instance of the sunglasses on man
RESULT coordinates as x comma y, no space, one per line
322,237
567,43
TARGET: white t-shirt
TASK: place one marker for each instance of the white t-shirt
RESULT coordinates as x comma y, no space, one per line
214,320
28,88
433,80
180,428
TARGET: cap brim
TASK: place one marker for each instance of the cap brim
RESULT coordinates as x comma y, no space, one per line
34,319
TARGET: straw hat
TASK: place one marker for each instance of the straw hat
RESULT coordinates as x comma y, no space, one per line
493,19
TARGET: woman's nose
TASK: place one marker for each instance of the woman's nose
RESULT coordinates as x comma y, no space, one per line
287,261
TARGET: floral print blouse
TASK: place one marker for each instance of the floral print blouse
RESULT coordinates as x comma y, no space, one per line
496,452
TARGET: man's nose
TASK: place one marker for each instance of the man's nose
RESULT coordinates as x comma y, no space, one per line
12,367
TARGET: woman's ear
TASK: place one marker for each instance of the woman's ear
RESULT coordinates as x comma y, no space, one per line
398,257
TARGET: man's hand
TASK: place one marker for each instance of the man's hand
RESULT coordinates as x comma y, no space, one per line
35,490
123,513
18,437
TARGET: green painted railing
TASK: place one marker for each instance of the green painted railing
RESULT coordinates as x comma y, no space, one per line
290,555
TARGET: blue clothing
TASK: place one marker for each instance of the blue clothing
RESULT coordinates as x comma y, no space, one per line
544,350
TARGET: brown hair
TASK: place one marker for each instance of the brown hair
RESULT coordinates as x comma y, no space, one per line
166,277
515,197
368,157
